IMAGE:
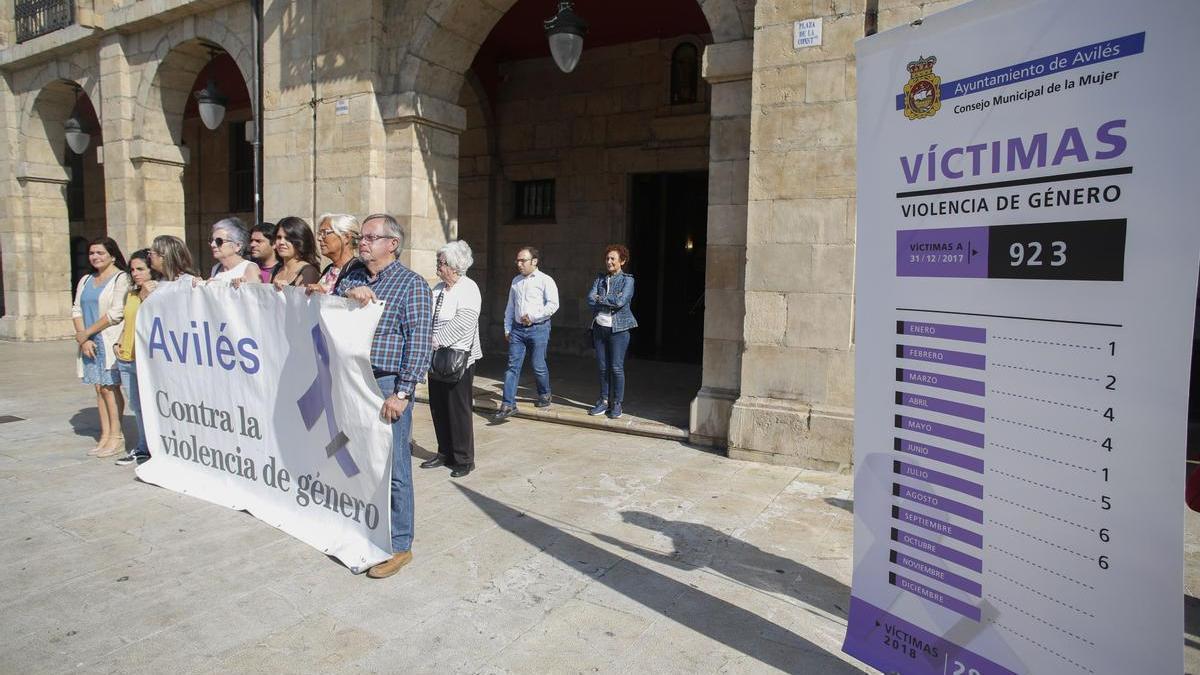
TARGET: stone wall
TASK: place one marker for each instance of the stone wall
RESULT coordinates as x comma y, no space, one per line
797,381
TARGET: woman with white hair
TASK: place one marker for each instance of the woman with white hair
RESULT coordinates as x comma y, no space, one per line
337,237
456,305
229,241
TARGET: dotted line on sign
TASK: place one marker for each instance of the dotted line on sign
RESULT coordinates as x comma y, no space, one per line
1048,459
1038,618
1053,431
1042,513
1043,400
1043,485
1039,539
1044,342
1047,372
1041,594
1044,569
1029,639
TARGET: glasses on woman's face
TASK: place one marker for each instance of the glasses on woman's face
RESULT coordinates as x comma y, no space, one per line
155,253
372,238
218,241
324,233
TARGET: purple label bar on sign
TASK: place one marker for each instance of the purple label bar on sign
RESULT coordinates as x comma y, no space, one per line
885,641
945,356
938,454
942,331
940,526
948,578
941,405
938,502
960,252
940,381
941,430
949,602
938,478
939,550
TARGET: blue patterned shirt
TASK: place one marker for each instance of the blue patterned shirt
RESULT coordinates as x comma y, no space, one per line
403,342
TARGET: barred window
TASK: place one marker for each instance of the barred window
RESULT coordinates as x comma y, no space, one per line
241,169
685,74
533,199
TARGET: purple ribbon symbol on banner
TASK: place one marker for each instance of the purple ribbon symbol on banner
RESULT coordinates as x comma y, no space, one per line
319,399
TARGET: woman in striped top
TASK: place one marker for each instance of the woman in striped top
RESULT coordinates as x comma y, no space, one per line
456,302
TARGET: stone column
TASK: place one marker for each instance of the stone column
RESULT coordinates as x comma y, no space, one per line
727,68
797,397
123,200
421,188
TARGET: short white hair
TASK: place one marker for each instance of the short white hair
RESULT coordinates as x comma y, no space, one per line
235,231
458,256
343,224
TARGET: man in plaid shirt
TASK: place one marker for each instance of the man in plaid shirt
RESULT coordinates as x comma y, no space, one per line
400,355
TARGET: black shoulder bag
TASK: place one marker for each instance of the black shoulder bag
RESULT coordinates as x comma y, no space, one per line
448,364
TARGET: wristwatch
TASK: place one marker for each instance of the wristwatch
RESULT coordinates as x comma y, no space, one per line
402,395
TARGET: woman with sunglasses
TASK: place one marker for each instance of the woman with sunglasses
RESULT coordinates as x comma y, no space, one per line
228,243
97,313
296,250
170,258
337,235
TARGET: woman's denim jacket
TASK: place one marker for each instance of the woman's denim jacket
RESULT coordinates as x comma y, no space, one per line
616,300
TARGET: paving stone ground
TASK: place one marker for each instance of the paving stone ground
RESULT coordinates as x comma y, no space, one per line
569,550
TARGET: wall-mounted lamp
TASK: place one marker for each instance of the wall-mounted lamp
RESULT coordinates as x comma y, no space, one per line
211,104
78,138
565,30
211,101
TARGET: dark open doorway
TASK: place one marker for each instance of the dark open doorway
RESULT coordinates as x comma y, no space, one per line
668,223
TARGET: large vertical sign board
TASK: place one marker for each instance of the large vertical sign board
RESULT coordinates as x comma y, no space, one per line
263,400
1028,245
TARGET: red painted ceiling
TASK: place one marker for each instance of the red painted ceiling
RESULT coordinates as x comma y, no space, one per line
519,33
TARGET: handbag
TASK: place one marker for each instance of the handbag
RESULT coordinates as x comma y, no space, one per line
448,364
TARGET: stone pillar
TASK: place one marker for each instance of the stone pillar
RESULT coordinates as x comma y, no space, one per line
796,401
422,173
33,233
123,199
727,68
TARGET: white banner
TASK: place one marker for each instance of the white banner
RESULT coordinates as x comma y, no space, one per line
264,401
1026,281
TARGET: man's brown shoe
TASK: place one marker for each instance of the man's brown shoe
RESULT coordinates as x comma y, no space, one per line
389,567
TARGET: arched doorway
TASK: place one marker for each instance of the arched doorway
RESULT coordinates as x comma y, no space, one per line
61,206
191,176
583,139
219,177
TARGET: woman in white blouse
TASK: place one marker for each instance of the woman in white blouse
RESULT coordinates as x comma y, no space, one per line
229,241
456,302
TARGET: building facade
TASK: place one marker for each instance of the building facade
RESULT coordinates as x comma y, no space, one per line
696,130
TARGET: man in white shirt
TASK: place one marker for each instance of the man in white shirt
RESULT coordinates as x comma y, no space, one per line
532,300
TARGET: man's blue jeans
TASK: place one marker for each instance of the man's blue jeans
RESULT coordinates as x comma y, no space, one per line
128,370
610,357
402,485
533,339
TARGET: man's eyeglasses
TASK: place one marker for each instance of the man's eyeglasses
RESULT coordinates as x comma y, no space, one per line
524,260
372,238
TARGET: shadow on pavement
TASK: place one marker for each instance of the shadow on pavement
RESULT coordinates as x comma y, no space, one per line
682,603
697,545
843,504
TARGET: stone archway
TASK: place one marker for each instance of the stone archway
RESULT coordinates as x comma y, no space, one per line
419,104
168,142
54,185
